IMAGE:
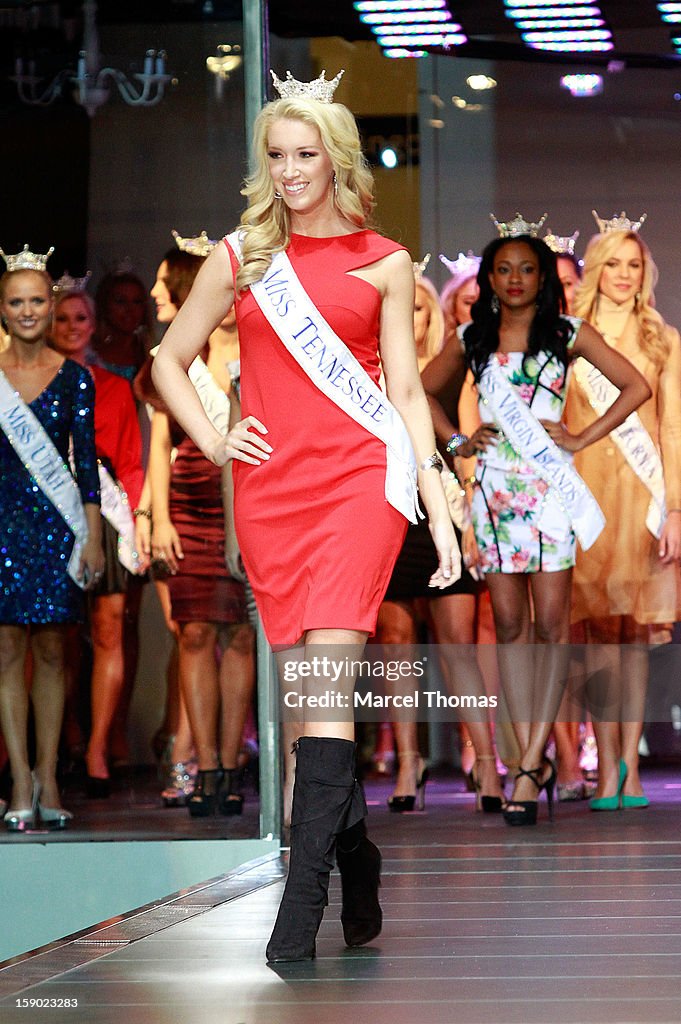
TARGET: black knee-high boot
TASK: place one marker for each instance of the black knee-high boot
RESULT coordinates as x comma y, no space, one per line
327,799
359,863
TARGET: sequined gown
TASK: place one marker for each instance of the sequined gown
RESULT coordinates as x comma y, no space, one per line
35,542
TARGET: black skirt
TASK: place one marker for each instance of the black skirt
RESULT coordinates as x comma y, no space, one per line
416,563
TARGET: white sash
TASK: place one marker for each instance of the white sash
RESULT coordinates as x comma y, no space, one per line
116,510
568,503
632,439
332,368
213,399
44,463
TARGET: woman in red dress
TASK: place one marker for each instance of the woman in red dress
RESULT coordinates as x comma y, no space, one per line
318,536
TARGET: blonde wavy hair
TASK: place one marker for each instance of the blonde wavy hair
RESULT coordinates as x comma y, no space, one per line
265,222
432,343
585,304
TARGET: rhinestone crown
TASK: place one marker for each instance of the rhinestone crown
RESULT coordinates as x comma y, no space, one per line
420,268
27,260
518,226
562,245
201,245
465,263
318,89
66,283
621,223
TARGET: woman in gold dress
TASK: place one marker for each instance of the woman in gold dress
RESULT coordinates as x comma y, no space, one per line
627,587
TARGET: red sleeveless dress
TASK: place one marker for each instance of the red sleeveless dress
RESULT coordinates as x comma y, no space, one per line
318,538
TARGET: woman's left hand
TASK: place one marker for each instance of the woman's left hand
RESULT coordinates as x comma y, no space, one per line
447,548
559,433
670,540
91,564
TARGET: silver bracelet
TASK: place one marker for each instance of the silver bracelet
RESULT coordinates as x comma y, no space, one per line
432,462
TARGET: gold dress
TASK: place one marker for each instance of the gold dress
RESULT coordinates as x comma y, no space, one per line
621,574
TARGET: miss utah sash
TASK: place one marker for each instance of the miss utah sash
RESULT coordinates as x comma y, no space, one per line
632,439
333,369
44,463
568,501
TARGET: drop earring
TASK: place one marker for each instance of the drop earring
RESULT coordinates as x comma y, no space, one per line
278,195
335,184
494,303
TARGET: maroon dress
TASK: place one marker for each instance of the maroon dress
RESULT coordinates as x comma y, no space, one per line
202,590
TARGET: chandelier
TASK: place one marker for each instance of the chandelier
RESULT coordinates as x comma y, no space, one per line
92,81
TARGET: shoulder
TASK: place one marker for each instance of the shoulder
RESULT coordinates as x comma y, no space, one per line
77,377
378,245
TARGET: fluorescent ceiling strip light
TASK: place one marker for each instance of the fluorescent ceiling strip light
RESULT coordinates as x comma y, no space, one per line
442,39
555,23
422,17
399,5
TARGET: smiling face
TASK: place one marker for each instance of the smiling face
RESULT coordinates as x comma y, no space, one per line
515,277
73,326
300,167
26,306
166,310
622,274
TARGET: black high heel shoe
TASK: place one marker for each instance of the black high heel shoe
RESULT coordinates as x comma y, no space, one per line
230,797
524,812
204,800
404,804
484,802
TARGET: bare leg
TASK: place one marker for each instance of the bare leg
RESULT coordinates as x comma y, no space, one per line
199,681
47,697
14,712
171,713
107,678
237,679
397,626
454,621
119,739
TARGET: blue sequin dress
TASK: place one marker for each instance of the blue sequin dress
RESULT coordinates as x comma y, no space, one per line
35,542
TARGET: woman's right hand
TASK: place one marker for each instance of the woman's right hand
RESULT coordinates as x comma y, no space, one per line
485,435
242,443
166,545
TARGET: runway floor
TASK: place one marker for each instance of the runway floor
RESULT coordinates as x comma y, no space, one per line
575,922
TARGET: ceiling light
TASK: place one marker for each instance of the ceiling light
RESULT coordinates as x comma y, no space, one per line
582,85
480,82
402,26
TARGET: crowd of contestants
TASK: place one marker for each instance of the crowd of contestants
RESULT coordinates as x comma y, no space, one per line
160,513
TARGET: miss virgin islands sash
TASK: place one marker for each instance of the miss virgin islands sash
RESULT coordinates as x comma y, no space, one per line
44,463
335,371
568,503
632,439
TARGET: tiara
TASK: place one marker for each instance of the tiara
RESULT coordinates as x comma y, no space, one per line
562,245
66,283
201,245
621,223
467,263
420,268
319,89
518,226
27,260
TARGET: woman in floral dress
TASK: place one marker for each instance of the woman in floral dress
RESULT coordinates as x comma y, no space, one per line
528,502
